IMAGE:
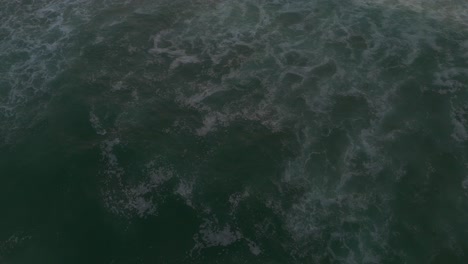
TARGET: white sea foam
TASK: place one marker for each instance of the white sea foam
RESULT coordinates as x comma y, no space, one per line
183,60
210,123
320,212
130,200
96,124
254,248
253,44
452,10
236,198
211,234
11,243
185,189
465,183
460,123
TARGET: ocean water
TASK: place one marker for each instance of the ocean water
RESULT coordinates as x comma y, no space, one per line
222,131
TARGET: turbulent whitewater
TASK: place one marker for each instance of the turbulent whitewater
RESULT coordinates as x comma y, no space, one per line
222,131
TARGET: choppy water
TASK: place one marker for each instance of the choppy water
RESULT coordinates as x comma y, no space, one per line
247,131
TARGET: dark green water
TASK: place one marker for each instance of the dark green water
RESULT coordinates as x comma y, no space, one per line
219,131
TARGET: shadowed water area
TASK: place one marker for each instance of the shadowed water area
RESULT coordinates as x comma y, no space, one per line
222,131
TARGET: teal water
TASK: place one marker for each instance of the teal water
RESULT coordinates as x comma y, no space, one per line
221,131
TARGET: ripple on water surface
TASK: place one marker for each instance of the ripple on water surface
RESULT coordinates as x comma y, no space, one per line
235,131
